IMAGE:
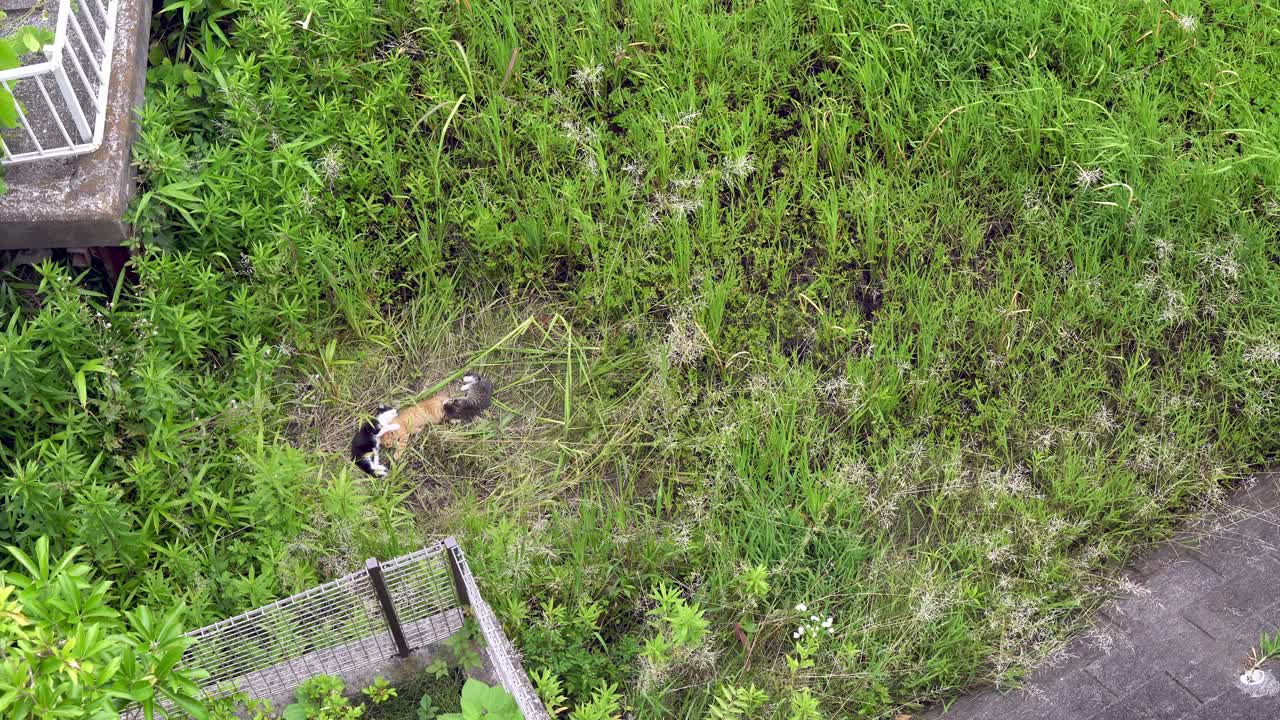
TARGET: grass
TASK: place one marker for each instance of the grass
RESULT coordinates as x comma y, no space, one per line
445,694
924,317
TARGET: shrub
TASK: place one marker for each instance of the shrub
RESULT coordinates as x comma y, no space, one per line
65,652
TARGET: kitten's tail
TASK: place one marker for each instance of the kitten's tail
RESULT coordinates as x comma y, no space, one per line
478,395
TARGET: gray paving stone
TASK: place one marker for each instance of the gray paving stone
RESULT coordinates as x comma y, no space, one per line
1212,674
1178,585
1230,549
1238,707
1161,699
1272,617
1073,697
1160,557
1142,654
1221,611
1085,648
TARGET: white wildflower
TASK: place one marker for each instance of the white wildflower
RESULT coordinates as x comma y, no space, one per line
687,118
1175,306
684,340
736,168
634,169
1263,352
588,78
801,607
588,161
1221,262
1188,23
1103,421
331,164
1088,177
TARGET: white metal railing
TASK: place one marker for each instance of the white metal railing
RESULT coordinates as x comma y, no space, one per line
77,68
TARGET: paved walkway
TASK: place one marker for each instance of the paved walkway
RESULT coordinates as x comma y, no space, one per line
1175,648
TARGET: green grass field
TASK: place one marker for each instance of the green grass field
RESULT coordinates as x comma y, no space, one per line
921,317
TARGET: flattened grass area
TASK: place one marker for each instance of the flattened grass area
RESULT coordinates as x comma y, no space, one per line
923,317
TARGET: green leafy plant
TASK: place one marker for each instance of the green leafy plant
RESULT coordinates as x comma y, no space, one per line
465,645
734,702
438,668
804,706
550,690
681,625
484,702
605,703
321,698
380,691
1268,648
427,710
64,652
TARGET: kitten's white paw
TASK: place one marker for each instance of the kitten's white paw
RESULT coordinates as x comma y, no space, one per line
467,382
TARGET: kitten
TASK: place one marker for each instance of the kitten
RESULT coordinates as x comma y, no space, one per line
438,409
443,408
366,446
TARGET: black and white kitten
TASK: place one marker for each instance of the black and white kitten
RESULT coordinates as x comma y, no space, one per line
366,446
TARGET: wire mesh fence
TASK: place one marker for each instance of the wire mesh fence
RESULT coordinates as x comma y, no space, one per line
360,621
61,101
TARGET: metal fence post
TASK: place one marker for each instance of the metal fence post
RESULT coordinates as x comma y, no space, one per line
374,569
453,556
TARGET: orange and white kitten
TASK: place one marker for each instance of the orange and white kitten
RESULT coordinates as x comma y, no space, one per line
391,429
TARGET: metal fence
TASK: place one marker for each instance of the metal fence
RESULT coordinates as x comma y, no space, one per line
359,621
62,100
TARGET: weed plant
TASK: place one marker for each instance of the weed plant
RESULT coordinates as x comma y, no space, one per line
867,340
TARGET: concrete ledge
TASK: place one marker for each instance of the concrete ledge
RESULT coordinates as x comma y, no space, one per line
80,202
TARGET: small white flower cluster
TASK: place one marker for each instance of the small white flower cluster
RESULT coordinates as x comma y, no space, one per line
686,119
145,329
578,132
678,201
814,626
735,169
588,78
684,342
584,137
1088,177
331,164
1266,352
1033,205
1221,261
1188,23
635,170
1175,306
